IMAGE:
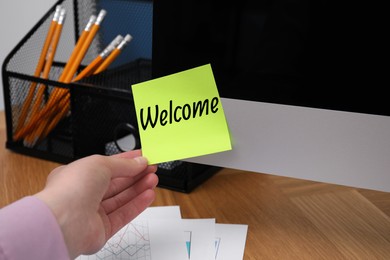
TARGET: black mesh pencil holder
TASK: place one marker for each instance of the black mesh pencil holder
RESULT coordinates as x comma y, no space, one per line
99,113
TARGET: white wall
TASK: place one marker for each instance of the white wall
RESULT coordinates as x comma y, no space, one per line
17,17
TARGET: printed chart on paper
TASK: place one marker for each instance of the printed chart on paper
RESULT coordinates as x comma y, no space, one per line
130,243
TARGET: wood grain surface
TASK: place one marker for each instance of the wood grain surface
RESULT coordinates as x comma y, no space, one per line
287,218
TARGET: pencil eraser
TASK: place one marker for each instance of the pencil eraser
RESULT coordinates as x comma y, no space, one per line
128,38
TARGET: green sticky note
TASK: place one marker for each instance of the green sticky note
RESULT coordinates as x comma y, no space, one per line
180,116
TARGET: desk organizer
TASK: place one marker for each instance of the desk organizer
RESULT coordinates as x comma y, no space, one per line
99,104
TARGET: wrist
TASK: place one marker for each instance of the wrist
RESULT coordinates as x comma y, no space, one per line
60,217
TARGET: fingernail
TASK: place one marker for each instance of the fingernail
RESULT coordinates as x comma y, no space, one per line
141,160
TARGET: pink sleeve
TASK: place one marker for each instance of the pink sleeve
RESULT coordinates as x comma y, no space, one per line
29,230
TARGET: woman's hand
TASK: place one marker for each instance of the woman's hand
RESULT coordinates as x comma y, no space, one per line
92,198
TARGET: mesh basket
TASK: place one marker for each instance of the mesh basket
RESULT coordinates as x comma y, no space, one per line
97,105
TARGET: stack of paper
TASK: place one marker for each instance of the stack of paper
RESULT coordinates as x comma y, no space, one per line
161,233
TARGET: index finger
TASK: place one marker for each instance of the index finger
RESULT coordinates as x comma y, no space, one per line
129,154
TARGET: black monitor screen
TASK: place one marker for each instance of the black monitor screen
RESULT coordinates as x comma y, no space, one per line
322,54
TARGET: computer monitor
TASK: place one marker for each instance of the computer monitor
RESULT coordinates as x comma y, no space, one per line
300,82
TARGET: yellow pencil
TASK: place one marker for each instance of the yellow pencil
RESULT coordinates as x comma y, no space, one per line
63,107
99,59
84,48
46,124
38,70
58,91
50,123
114,54
77,47
49,62
73,63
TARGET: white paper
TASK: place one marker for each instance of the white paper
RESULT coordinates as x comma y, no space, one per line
159,233
167,239
230,241
163,225
160,212
200,238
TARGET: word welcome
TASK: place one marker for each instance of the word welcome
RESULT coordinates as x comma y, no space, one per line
177,113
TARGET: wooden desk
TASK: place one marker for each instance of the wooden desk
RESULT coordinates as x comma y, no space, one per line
287,218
